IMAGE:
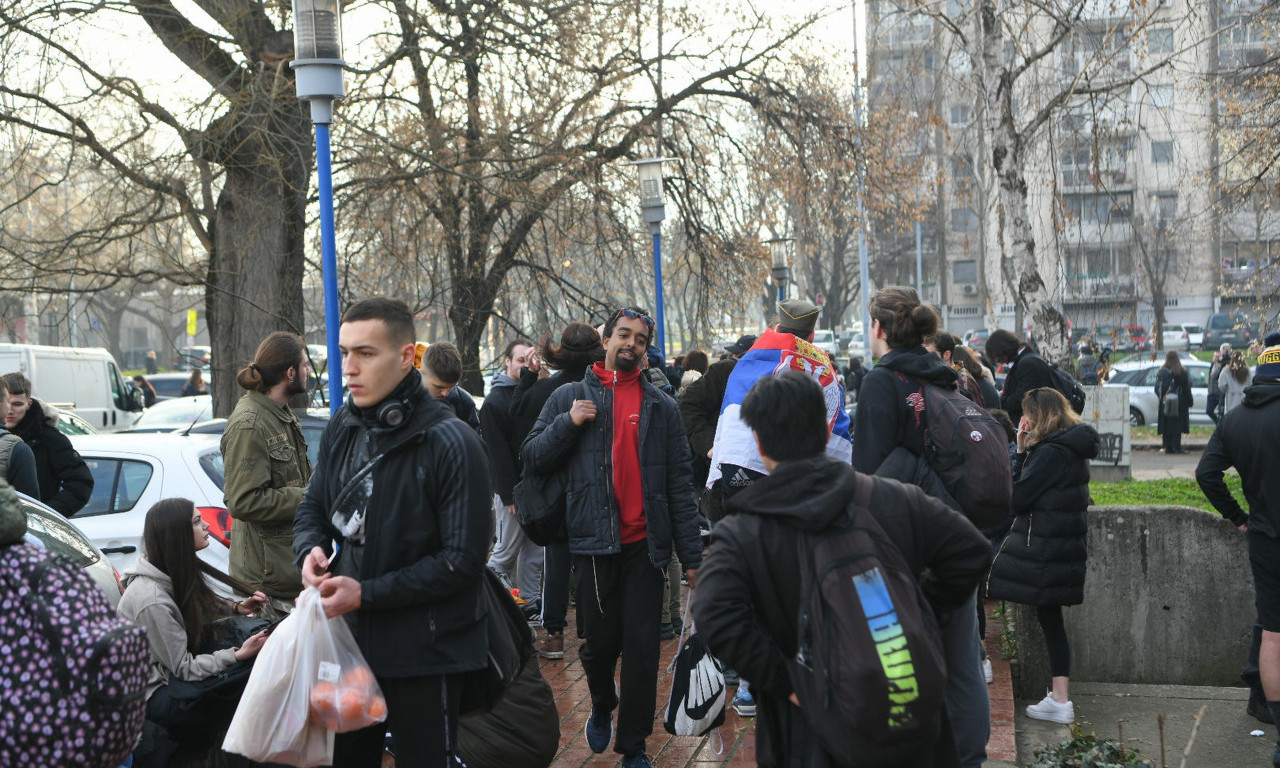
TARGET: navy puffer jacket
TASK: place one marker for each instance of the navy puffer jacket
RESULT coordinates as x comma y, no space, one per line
1042,559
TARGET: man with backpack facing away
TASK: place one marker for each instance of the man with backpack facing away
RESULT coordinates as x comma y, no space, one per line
751,585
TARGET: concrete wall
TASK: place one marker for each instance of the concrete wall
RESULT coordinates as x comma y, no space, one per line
1168,600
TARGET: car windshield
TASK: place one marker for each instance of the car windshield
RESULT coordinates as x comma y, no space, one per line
52,533
1192,329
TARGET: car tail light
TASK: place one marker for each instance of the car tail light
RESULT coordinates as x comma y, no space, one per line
119,581
219,521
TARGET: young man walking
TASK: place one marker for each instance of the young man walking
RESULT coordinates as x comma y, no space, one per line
749,587
620,445
267,468
403,488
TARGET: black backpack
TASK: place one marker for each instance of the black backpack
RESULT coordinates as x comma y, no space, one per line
510,645
969,451
869,669
1069,387
74,680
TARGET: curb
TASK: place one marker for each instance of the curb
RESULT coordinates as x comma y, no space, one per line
1002,746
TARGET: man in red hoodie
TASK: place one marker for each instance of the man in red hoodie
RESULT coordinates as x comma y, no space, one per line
619,444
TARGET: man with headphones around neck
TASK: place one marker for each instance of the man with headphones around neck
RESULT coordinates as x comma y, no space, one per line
402,486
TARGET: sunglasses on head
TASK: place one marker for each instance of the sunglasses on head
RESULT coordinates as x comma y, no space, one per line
634,315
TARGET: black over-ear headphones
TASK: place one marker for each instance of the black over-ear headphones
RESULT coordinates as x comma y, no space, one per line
391,413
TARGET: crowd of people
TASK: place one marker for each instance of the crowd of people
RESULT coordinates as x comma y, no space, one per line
415,494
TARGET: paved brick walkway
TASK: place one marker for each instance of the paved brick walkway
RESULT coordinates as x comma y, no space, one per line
569,684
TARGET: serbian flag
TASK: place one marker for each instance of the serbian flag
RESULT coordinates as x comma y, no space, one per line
773,354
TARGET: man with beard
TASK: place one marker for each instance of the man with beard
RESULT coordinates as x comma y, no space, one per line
267,468
620,447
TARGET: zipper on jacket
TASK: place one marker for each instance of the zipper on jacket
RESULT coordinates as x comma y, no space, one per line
999,552
1030,519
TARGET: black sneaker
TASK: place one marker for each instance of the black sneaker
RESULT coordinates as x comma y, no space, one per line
667,631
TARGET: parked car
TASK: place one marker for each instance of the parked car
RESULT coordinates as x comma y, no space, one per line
1137,339
193,357
857,346
1140,376
825,340
976,339
169,385
312,422
1222,328
131,472
71,424
175,413
1182,336
82,379
51,531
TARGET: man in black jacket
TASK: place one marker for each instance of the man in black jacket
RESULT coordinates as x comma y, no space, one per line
65,481
621,448
750,584
700,408
441,372
514,555
1245,439
1027,370
403,488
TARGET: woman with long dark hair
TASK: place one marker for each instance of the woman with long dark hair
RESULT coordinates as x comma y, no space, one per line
167,591
148,391
578,350
1232,380
1041,560
1173,388
195,384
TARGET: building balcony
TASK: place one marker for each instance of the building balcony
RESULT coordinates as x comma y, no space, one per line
1100,287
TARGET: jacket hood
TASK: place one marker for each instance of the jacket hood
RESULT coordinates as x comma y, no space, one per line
143,569
808,494
501,379
1081,439
920,363
1262,392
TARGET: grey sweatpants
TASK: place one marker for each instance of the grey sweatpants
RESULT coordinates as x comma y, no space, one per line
514,554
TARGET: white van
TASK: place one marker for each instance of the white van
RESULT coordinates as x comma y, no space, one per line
85,380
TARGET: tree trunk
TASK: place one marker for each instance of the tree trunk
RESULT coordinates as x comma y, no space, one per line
469,314
256,266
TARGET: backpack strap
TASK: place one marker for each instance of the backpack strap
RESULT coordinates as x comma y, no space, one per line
862,493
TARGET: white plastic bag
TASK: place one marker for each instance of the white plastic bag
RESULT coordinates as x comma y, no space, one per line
309,682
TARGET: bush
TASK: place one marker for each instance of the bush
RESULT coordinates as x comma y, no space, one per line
1088,751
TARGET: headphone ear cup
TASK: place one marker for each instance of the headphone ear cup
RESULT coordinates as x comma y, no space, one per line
392,413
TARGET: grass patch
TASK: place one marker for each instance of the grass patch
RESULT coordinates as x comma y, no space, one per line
1180,491
1149,432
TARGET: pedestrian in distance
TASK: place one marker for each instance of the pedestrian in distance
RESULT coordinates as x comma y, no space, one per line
578,349
167,591
1173,391
147,390
620,445
152,365
195,384
1232,381
441,372
750,583
1027,370
1041,560
267,467
1245,439
889,440
64,479
1213,406
402,488
515,556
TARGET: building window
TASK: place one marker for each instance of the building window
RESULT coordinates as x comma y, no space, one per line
1164,206
963,220
964,272
961,115
1100,208
1160,40
1162,152
1161,96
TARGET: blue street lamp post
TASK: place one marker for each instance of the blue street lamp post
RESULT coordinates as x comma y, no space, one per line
317,44
654,209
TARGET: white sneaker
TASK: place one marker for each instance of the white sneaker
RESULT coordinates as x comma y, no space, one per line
986,670
1050,710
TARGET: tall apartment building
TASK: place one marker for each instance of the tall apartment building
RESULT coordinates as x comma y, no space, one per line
1135,199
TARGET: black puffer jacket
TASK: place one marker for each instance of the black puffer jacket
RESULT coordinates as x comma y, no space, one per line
700,409
533,392
65,481
750,584
502,438
889,412
585,454
427,533
1029,372
1042,559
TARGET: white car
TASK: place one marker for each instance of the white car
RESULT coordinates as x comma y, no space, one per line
1183,336
176,413
52,532
825,340
1144,406
133,471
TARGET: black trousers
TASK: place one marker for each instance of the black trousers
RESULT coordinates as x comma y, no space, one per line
619,599
556,563
422,715
1055,637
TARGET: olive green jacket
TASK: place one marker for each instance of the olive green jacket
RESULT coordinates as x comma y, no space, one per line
267,469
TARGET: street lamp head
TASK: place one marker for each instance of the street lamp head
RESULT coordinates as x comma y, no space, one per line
652,204
317,47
